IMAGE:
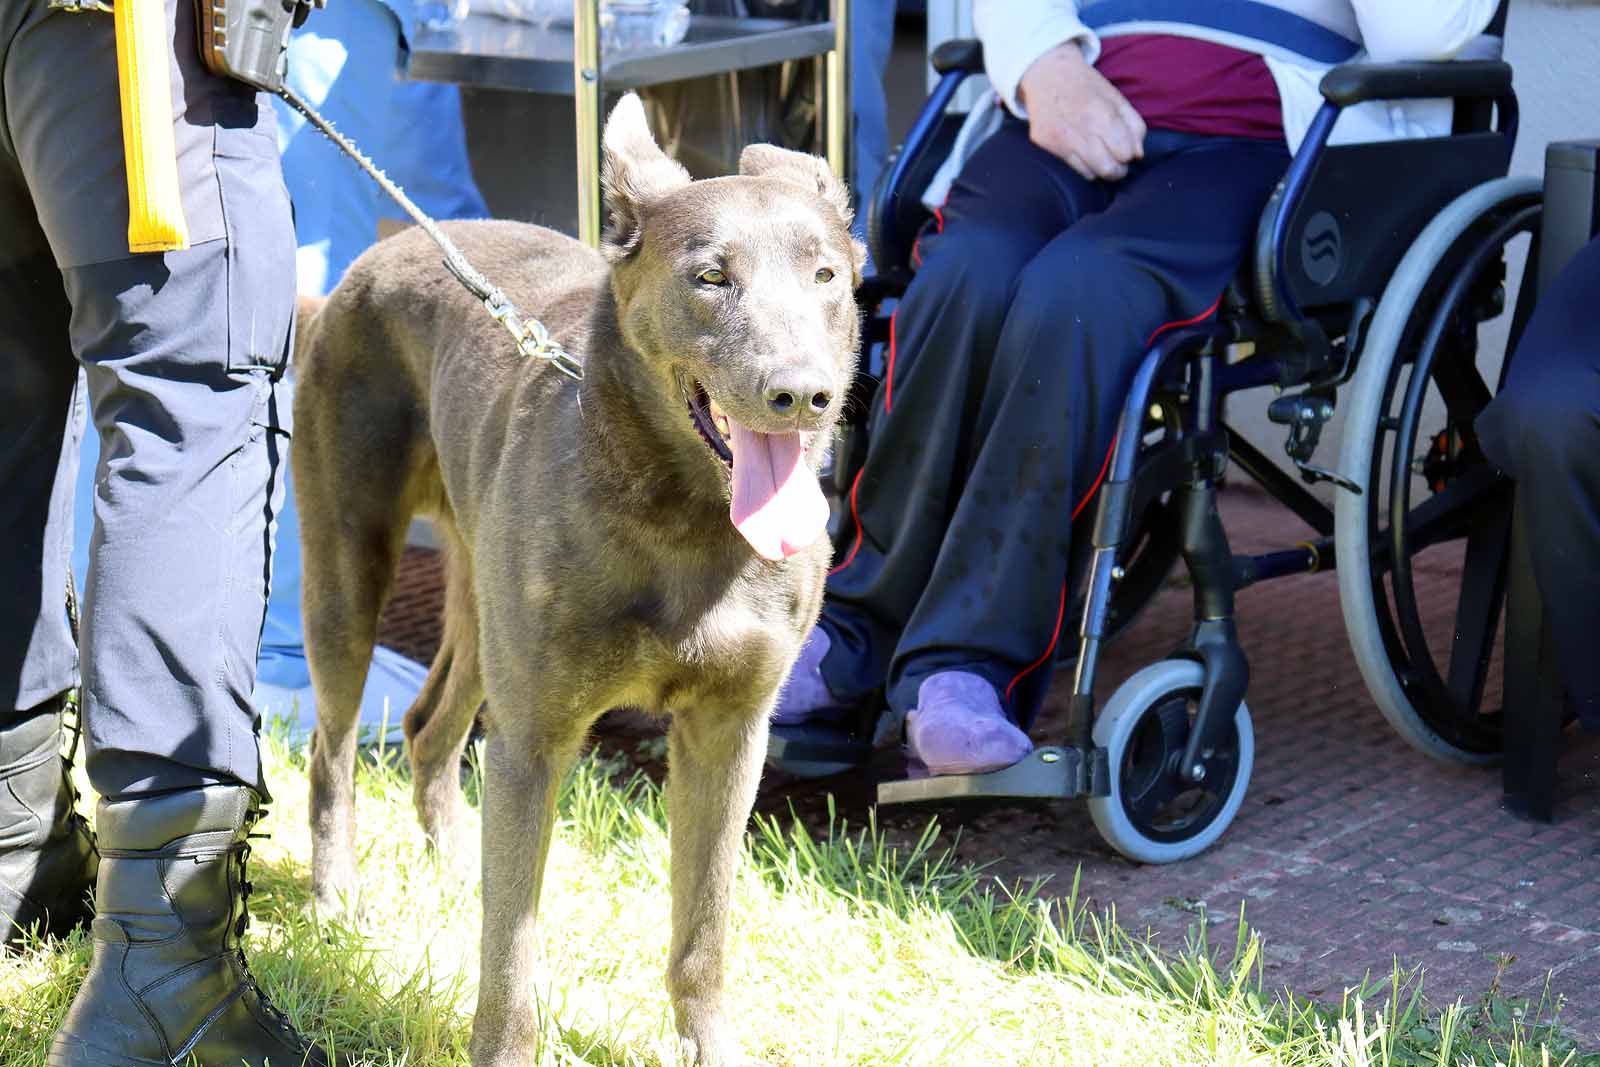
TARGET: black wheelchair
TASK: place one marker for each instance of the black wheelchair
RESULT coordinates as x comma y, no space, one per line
1362,294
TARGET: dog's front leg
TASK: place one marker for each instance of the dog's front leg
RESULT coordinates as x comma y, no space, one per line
521,781
715,766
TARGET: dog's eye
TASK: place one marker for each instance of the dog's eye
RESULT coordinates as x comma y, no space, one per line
824,276
712,277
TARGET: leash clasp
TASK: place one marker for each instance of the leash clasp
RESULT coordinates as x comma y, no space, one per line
533,340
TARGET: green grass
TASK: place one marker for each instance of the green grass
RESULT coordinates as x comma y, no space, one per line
845,949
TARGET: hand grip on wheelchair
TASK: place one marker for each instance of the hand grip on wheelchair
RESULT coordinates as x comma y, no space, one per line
1355,83
958,53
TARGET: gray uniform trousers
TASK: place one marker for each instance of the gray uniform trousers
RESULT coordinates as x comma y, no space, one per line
182,352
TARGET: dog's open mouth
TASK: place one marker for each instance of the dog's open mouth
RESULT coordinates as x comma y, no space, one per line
777,504
711,423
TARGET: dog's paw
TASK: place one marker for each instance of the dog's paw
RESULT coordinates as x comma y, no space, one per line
452,839
494,1046
447,824
709,1044
336,893
335,906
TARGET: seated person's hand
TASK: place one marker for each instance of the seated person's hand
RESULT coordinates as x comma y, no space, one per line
1077,115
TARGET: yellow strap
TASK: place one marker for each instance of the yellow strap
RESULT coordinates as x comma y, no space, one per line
155,201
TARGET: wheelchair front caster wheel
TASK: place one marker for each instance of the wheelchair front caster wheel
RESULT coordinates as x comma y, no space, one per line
1152,814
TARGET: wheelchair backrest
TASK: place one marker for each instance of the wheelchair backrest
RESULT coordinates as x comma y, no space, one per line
1365,206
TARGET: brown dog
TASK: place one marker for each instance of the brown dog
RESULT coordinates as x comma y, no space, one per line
604,550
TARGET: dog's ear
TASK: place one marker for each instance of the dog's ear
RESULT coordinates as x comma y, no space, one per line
811,173
634,171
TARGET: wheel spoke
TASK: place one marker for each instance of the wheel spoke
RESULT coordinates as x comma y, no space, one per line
1464,391
1483,581
1450,513
1447,515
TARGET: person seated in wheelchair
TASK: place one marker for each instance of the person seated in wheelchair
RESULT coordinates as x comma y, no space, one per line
1134,144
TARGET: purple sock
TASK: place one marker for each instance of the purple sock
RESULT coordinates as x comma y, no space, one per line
805,697
959,727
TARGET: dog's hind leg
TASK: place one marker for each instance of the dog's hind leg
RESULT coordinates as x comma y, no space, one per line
357,465
714,766
440,720
347,581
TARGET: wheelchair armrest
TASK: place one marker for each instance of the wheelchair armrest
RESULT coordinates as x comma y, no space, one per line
960,53
1354,83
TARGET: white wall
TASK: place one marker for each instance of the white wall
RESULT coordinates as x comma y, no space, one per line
949,19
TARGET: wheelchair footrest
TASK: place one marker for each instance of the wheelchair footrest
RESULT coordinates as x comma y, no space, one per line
1046,773
809,750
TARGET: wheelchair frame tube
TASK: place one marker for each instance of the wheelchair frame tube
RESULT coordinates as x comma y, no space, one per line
1282,487
1309,557
917,139
1295,183
1251,373
1111,524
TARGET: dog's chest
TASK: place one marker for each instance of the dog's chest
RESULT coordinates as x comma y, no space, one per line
732,650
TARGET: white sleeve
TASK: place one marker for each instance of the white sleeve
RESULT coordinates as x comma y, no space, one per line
1017,32
1420,29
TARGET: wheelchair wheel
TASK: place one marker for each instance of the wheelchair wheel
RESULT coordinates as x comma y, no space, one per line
1430,500
1151,815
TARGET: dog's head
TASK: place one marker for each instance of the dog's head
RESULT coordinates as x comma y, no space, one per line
739,293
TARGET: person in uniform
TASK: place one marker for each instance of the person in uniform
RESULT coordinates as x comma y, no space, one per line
182,351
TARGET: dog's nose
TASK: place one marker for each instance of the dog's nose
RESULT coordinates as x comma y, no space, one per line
799,393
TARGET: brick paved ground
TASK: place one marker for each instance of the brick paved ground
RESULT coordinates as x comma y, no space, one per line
1350,849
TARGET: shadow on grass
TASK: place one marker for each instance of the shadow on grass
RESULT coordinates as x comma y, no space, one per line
332,980
345,989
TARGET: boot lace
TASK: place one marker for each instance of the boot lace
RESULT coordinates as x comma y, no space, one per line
246,887
72,715
72,726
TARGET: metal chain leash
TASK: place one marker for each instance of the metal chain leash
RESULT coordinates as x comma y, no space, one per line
530,335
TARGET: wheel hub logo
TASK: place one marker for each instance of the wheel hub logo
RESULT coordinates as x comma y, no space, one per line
1321,248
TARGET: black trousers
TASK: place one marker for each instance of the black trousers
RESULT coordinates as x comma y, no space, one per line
182,353
1543,429
1011,355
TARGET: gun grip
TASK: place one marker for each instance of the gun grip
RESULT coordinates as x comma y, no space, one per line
245,39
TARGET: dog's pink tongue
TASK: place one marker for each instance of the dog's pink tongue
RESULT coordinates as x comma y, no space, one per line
777,504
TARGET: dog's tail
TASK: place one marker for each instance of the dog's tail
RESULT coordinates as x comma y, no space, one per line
306,310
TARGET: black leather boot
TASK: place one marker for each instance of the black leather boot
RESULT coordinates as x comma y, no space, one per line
168,983
47,859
